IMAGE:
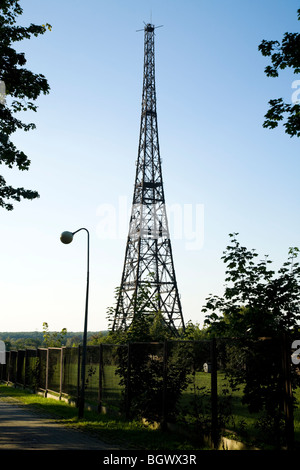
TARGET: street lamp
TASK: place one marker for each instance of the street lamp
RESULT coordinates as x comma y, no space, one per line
66,238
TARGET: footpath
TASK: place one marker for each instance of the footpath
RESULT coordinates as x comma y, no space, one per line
24,429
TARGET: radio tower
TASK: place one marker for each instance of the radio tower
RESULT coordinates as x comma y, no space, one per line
148,257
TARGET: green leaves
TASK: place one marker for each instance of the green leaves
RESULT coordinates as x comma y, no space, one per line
16,194
284,55
276,113
255,299
10,9
53,339
24,87
258,306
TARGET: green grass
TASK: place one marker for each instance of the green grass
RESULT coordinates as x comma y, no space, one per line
241,423
135,435
126,434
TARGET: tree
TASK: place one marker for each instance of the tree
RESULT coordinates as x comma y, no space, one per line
23,87
284,55
144,327
149,368
53,339
257,308
255,301
193,332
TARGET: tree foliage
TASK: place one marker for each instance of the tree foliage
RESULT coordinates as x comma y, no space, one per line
283,55
256,301
149,368
22,87
53,339
257,308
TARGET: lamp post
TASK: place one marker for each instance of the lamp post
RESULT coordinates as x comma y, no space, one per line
66,238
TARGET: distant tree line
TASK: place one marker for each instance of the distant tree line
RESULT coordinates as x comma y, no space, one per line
43,339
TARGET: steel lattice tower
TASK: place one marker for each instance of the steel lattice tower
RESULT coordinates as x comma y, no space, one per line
148,256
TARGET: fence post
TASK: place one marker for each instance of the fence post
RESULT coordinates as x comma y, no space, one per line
214,394
25,367
37,366
128,380
61,372
78,377
165,378
16,367
47,372
100,378
8,367
287,391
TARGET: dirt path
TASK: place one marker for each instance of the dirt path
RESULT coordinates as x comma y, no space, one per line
23,429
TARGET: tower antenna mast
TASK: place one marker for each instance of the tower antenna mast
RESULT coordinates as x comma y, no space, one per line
148,265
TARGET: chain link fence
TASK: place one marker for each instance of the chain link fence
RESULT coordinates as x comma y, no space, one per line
185,383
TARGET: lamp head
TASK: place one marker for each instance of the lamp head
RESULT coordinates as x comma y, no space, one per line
66,237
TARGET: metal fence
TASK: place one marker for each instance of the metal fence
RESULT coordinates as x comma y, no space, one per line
174,381
57,371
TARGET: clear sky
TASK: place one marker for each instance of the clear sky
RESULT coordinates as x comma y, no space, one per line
222,171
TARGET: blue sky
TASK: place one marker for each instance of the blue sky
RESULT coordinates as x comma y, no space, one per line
212,95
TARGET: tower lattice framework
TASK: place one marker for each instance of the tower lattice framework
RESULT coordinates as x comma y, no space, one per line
148,256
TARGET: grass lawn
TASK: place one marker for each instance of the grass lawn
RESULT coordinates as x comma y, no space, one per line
241,422
127,434
135,435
